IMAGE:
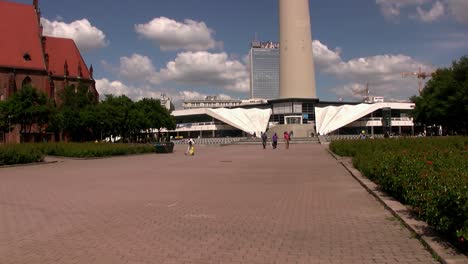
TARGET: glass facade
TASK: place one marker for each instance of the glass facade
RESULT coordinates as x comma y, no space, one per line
265,71
282,110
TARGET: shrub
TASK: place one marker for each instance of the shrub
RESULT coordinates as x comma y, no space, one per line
91,150
19,154
27,153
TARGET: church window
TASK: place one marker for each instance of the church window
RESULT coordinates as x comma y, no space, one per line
26,81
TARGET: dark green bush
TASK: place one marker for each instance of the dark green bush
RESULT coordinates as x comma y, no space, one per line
91,150
27,153
430,174
19,154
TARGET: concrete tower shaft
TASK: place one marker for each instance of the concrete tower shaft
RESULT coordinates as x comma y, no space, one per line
297,73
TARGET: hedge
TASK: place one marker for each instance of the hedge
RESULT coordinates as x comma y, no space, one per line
429,174
19,154
28,153
91,150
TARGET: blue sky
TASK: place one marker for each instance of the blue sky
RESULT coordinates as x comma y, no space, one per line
192,48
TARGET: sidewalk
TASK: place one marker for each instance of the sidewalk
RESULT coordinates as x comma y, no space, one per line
234,204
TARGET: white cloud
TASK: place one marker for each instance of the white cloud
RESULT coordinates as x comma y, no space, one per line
138,68
323,56
85,35
105,87
207,69
435,13
351,90
451,41
117,88
459,8
391,8
201,69
383,72
173,35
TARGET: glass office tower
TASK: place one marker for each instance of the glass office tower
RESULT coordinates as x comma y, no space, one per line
264,70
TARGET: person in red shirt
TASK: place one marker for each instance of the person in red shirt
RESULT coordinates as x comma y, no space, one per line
286,139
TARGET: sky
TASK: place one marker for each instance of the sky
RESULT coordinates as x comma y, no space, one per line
188,49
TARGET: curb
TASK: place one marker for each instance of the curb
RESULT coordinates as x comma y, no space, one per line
441,249
28,164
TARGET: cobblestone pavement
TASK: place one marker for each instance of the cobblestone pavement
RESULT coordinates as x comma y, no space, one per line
235,204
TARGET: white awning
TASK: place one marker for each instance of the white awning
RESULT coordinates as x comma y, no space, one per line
248,120
331,118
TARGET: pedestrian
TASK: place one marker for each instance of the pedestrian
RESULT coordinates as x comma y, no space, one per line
191,148
286,139
363,135
386,135
264,140
274,141
290,135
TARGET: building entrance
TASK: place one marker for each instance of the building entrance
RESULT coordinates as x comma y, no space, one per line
293,120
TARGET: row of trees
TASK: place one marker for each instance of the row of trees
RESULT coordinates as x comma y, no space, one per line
444,100
80,117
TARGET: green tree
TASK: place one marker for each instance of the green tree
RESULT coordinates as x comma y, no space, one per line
444,100
152,115
120,116
29,108
5,119
157,116
115,115
76,115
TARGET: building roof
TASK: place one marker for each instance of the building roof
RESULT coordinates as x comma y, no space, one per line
331,118
61,50
20,43
248,120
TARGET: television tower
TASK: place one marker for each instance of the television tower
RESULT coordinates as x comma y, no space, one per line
297,73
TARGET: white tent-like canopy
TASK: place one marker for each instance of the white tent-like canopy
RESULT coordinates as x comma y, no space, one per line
248,120
331,118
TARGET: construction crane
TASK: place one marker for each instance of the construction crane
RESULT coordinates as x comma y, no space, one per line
365,92
420,75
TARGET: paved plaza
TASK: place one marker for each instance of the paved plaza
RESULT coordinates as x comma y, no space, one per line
233,204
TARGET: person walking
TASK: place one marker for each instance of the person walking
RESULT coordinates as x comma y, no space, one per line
286,139
191,148
264,140
274,140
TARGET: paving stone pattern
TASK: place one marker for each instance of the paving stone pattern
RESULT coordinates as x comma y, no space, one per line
234,204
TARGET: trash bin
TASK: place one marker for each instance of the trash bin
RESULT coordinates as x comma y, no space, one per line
164,147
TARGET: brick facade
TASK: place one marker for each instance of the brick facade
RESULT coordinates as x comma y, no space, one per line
47,63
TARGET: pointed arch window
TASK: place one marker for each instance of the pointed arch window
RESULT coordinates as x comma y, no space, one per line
27,81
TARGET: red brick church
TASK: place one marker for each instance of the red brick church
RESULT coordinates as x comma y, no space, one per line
28,57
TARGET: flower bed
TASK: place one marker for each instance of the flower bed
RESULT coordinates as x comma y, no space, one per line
429,174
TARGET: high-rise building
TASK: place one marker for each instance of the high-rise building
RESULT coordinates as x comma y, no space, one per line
264,70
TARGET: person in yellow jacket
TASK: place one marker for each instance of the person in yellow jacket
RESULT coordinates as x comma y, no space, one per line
191,148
